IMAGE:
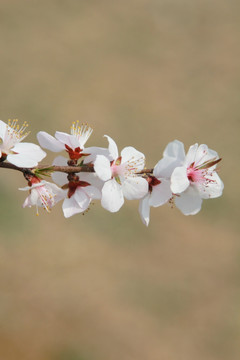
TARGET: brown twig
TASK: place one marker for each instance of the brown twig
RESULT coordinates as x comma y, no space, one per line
51,168
65,169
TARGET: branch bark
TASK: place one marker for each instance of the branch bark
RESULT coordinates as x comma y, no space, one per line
65,169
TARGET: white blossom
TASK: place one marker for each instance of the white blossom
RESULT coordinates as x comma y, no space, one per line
79,191
196,179
120,176
18,153
72,143
159,191
42,193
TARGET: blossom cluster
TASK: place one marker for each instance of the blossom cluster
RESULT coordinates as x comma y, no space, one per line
88,173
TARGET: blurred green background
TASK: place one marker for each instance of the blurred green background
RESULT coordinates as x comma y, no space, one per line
102,286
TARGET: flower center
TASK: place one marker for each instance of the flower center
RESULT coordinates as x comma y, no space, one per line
82,132
195,175
133,166
13,135
201,173
47,198
116,167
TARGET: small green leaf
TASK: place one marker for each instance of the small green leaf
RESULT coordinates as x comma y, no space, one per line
44,171
117,178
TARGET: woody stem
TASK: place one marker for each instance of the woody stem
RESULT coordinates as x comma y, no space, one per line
65,169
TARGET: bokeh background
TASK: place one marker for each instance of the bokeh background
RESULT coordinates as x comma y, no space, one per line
103,286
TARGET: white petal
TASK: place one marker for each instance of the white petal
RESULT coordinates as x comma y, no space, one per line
165,167
201,153
175,149
160,193
25,188
134,188
70,207
60,161
47,141
93,192
204,154
102,168
67,139
59,178
94,151
3,128
27,202
58,193
214,187
144,210
28,155
189,202
81,198
112,196
191,155
132,156
34,197
92,179
179,180
112,147
173,156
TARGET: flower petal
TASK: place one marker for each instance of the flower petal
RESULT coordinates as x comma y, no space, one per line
102,168
67,139
175,149
214,187
93,192
60,161
3,128
27,202
205,154
27,155
92,179
112,147
133,157
59,178
179,180
94,151
144,210
191,155
173,156
81,198
70,207
25,188
112,196
189,202
134,188
160,193
49,142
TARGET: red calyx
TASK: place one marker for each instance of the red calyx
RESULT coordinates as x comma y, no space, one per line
76,153
33,180
73,185
152,181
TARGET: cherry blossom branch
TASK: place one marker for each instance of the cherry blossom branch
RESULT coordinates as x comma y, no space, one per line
13,167
107,175
49,168
64,169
